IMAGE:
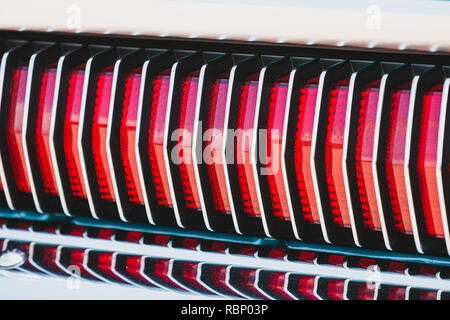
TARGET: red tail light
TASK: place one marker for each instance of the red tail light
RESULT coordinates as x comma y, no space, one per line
302,150
100,121
44,112
334,152
70,131
427,161
364,153
14,130
215,123
243,144
128,134
275,124
306,286
186,123
276,283
104,266
336,289
366,291
395,158
156,138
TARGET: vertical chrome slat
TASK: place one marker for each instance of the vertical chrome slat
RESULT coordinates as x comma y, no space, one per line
313,154
56,168
254,152
136,142
26,109
2,169
197,146
174,280
165,147
80,134
374,161
224,149
407,160
108,141
204,284
286,286
283,154
348,115
439,165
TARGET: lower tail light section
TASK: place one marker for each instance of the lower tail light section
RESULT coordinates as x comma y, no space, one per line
303,287
217,278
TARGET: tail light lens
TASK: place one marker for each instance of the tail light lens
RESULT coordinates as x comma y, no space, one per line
275,124
306,286
99,132
336,289
215,125
128,134
302,150
363,156
156,138
186,125
44,112
14,130
334,153
243,144
70,131
396,157
427,160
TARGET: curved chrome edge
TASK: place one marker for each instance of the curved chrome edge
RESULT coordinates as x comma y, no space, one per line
119,275
439,164
56,168
92,272
407,162
204,284
286,286
26,156
312,157
172,278
144,275
345,293
348,116
58,260
108,141
254,152
80,135
376,139
258,287
316,288
232,287
8,197
224,149
195,146
283,154
34,264
167,160
136,142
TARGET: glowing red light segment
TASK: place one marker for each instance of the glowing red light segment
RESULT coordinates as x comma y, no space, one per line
396,293
186,124
43,119
276,283
363,156
306,286
99,132
366,291
156,138
128,135
105,264
336,289
213,145
302,150
243,144
70,131
427,160
275,125
395,159
14,128
337,109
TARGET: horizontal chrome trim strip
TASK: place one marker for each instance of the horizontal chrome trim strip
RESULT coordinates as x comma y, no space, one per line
218,259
